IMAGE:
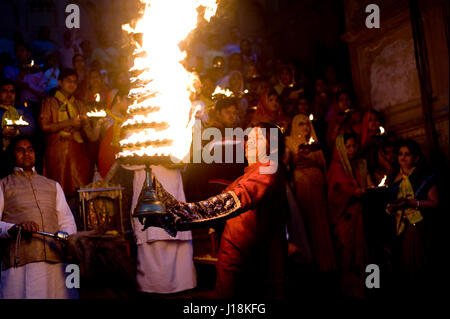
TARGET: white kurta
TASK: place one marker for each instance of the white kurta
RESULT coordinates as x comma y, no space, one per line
165,263
39,280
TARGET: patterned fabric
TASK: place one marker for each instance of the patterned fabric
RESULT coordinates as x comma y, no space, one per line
184,216
412,215
66,111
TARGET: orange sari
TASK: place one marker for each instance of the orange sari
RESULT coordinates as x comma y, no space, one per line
310,189
346,216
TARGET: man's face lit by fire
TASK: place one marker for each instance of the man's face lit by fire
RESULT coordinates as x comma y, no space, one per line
68,85
7,95
24,154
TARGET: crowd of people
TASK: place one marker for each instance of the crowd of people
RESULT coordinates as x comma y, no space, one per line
334,155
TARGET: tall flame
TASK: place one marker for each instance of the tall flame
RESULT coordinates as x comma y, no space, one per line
382,130
162,87
383,182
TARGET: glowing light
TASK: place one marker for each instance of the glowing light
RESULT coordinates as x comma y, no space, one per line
383,182
32,62
162,86
97,97
382,130
220,90
311,117
311,140
96,113
19,122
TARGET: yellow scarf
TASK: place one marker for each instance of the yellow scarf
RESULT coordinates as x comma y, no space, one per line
10,114
67,111
118,121
412,215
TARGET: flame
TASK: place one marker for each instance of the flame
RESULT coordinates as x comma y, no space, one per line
383,182
162,86
19,122
311,140
25,104
311,117
96,113
97,97
220,90
382,130
32,62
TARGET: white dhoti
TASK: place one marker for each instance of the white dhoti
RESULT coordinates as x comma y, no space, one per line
39,280
165,263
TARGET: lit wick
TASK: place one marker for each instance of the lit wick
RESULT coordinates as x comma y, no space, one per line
96,113
19,122
311,117
383,182
382,130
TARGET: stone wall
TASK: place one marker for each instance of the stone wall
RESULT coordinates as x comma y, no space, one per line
384,69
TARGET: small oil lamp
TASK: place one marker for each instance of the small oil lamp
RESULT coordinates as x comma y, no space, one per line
97,108
312,145
17,123
382,192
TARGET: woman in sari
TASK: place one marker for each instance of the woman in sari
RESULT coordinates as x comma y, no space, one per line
417,196
342,118
253,247
347,180
310,186
269,110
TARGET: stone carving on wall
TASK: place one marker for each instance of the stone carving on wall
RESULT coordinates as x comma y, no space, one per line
393,75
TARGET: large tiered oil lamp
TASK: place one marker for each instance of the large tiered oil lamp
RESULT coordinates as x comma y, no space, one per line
159,128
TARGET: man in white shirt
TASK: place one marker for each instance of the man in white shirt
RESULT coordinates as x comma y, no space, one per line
31,264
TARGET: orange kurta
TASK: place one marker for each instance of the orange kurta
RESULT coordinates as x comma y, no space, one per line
65,160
